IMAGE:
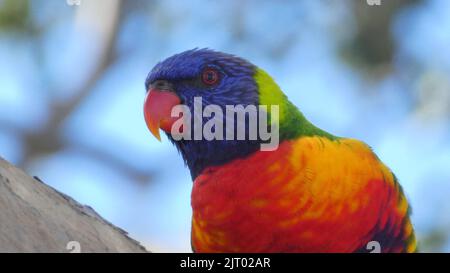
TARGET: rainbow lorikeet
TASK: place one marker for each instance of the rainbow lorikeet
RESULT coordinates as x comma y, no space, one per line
315,192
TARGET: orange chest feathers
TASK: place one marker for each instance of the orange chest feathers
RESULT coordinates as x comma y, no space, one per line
310,195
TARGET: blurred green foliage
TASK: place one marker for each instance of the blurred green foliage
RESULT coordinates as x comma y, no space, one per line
14,15
372,44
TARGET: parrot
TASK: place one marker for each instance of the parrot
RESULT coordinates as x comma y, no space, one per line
314,193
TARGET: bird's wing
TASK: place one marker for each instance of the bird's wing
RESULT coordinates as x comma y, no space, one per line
352,197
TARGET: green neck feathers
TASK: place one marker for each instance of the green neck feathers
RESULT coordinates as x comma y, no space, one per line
292,122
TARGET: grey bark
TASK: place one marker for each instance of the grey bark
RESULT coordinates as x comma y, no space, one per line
37,218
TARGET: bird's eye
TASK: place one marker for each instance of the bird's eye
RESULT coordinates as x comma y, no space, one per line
210,76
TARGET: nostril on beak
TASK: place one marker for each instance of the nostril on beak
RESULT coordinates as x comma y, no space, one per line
162,85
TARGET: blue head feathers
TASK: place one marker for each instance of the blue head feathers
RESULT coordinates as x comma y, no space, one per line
234,84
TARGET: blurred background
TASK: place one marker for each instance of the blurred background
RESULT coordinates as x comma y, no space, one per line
72,89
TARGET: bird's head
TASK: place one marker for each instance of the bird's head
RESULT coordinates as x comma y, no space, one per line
219,79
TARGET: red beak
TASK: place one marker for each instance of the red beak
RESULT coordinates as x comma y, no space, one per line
158,106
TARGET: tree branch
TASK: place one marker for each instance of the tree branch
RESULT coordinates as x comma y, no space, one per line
36,218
